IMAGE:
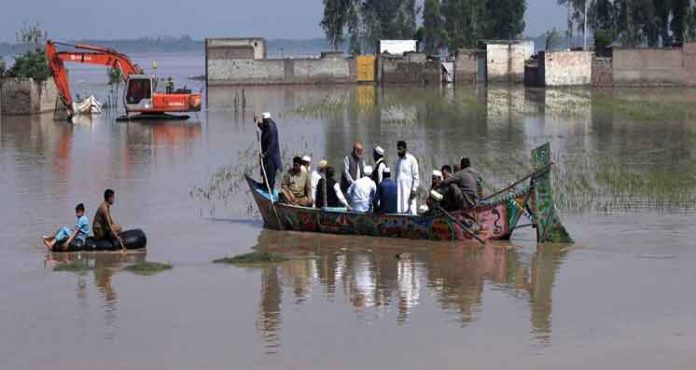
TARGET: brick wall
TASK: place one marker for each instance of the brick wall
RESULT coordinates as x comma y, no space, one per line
602,72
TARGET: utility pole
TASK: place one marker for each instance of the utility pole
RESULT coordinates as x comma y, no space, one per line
584,30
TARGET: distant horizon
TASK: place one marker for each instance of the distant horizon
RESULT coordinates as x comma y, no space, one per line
184,37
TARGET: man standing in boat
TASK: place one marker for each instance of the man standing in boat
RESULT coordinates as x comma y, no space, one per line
270,149
386,194
407,181
353,167
378,172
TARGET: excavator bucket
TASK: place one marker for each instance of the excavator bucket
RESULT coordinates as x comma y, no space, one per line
549,227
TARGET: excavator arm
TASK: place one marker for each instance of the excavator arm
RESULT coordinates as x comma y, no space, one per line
88,55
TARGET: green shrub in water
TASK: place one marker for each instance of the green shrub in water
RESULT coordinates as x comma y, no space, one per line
148,268
252,258
32,64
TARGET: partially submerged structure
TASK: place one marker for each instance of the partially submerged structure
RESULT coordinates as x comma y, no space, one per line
243,61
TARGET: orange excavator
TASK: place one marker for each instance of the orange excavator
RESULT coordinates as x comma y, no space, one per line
140,95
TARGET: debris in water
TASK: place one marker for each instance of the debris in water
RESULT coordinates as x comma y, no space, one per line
657,256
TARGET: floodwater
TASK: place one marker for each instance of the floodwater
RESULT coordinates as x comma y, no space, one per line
619,298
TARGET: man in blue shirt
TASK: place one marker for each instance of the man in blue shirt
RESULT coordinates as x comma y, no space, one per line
65,236
387,194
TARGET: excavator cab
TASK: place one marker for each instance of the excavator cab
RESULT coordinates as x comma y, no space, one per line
139,91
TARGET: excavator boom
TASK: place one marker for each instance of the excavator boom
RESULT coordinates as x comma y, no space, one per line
136,99
95,55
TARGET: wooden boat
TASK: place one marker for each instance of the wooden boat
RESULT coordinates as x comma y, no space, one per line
497,215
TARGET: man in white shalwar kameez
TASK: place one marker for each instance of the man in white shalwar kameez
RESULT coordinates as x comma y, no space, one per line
361,195
407,182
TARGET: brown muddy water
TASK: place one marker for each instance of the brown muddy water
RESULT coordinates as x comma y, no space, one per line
622,297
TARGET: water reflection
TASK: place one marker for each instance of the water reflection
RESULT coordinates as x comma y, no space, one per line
102,266
375,276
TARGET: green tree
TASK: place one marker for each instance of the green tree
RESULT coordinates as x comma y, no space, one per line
551,39
433,26
691,24
464,22
33,63
367,21
680,17
335,20
504,18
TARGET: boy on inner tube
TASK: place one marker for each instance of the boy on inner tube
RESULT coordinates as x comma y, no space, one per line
66,236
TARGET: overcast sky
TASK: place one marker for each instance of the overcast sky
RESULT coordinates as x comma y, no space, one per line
78,19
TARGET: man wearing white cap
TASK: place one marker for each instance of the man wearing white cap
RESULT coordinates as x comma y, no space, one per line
436,179
361,194
305,163
377,173
270,148
316,173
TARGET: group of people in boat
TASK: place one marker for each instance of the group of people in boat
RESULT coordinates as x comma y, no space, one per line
103,227
362,187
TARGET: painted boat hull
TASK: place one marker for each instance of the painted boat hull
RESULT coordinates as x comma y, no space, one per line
498,220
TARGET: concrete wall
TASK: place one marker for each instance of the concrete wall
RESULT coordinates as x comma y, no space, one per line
24,96
566,68
505,60
235,48
466,65
330,69
410,69
648,67
396,47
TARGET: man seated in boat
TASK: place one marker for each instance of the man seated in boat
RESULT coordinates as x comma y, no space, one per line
296,187
435,181
65,236
446,171
361,194
103,225
387,198
328,193
461,190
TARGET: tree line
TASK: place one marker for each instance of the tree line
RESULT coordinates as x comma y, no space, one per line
652,23
447,24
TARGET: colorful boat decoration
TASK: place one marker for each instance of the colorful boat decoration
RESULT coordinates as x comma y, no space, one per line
497,215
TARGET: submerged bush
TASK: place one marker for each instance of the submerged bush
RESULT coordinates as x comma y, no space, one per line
32,64
252,258
148,268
